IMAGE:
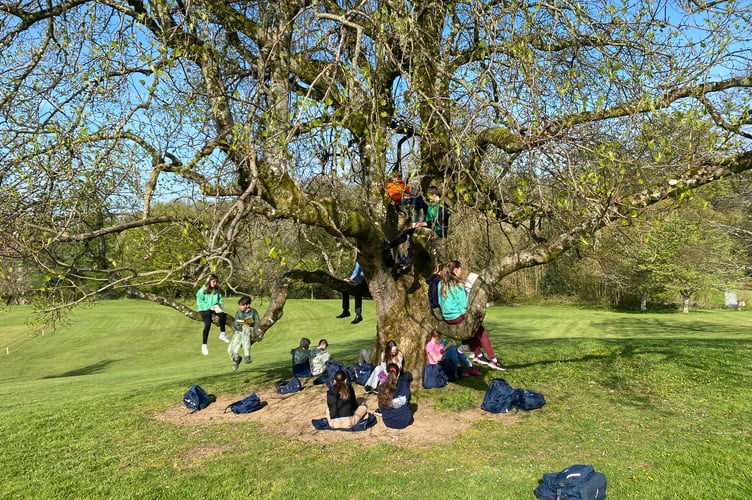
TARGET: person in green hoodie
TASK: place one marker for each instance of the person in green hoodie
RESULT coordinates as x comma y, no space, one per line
209,302
437,213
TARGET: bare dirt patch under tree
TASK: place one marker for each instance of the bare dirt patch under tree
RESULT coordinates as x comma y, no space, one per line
290,416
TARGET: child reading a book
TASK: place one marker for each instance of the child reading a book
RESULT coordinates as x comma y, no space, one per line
245,319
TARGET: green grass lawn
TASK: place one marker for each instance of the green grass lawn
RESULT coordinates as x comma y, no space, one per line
659,402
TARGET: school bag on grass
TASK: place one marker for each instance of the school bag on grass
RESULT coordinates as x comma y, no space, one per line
362,372
248,404
288,386
527,400
500,397
195,398
434,377
576,482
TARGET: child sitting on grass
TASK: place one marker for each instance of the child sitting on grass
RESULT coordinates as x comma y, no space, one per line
394,398
344,410
301,359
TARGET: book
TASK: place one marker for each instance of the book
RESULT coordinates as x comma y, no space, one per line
471,278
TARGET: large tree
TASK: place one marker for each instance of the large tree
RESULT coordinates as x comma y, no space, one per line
523,113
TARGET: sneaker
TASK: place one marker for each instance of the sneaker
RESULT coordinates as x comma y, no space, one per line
480,358
248,360
497,365
235,362
475,372
344,314
358,318
204,350
223,338
464,374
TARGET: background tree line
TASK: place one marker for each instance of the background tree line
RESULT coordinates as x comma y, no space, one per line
702,247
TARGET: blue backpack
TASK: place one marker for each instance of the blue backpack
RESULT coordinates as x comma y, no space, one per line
195,398
499,398
362,372
434,377
288,386
577,482
248,404
528,400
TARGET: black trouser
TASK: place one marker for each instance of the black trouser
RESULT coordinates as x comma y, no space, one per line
360,289
207,317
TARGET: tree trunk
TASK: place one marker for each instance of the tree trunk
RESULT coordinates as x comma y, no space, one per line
644,301
403,315
402,312
399,317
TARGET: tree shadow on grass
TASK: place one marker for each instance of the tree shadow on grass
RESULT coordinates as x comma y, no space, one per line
99,367
673,349
640,372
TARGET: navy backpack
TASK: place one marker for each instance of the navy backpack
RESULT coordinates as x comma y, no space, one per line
195,398
248,404
500,397
434,377
288,386
577,482
362,373
528,400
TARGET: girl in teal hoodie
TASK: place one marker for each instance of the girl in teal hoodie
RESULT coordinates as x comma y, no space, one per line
209,302
453,304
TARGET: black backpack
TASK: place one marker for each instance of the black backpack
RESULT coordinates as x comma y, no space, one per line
195,398
577,482
248,404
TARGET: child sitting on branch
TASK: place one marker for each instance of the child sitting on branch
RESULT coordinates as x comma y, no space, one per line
453,304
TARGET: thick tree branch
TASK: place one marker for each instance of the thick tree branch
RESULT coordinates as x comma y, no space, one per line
118,228
510,142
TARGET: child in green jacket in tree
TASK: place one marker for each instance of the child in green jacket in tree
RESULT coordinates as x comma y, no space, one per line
209,302
245,320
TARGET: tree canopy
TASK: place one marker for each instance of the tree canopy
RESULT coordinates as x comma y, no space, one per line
195,119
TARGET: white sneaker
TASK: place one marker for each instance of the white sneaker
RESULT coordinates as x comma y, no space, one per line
223,338
204,350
